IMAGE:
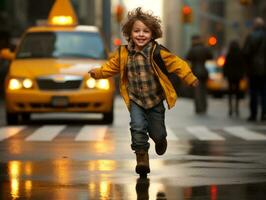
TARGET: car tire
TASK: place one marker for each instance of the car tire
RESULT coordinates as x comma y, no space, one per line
25,117
217,95
108,117
12,118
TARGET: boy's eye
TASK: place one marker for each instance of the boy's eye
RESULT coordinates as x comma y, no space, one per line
145,31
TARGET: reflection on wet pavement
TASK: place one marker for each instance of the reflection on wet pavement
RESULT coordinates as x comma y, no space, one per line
101,179
100,170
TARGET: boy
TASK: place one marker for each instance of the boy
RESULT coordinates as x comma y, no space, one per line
143,85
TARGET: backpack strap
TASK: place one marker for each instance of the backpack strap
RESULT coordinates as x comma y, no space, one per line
175,81
158,59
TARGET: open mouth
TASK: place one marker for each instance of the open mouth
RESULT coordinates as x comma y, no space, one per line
141,41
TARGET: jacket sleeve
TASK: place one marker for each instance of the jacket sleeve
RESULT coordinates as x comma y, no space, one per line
109,68
176,65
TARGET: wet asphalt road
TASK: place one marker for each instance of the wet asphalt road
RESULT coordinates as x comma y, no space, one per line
208,157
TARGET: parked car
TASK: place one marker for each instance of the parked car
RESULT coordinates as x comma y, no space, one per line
217,85
49,71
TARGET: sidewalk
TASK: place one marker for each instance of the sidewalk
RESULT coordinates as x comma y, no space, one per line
217,115
183,113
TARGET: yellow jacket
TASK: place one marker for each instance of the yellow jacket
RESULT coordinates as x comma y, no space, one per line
172,63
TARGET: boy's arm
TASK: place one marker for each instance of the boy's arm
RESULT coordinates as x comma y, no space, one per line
178,66
108,69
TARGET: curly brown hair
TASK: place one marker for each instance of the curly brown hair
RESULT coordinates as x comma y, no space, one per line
147,18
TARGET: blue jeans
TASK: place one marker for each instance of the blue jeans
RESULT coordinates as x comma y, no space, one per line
146,123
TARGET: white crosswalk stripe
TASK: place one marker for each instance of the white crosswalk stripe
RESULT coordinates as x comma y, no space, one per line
171,135
203,133
91,133
46,133
246,134
9,131
100,132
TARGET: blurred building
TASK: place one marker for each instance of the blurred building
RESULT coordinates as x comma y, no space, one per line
241,16
17,15
225,19
205,18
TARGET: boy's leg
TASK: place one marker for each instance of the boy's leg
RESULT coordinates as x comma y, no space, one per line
156,127
139,138
138,128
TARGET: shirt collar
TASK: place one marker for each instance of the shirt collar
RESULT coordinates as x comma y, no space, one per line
145,51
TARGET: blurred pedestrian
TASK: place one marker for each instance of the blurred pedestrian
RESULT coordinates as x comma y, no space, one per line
234,71
143,85
198,54
254,51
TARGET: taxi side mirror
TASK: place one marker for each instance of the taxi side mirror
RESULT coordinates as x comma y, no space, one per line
7,54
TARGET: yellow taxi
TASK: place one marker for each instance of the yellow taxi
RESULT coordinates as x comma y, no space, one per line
49,70
217,85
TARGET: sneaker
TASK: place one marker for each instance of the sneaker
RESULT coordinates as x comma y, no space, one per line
161,147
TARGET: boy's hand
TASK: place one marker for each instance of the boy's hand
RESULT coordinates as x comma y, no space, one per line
92,73
195,83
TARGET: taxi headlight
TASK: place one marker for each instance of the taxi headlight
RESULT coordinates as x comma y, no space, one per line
27,83
103,84
91,83
20,83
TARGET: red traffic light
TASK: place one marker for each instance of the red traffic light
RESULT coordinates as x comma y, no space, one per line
187,10
117,41
187,14
119,12
212,41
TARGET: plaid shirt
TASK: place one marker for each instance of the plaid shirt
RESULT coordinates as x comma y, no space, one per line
143,85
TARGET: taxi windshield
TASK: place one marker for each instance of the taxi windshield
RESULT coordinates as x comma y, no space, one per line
62,45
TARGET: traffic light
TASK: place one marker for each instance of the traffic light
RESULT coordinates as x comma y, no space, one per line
117,42
119,13
186,14
245,2
212,40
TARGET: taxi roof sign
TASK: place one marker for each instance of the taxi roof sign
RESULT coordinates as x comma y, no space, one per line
62,14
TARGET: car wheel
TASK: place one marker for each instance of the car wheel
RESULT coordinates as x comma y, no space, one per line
217,95
108,117
12,118
25,117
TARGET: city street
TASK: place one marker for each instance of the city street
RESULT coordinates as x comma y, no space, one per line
65,130
74,156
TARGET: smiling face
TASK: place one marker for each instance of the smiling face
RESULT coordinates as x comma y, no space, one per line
140,34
